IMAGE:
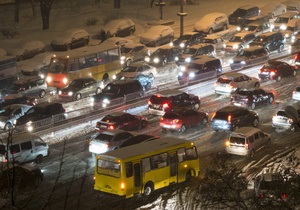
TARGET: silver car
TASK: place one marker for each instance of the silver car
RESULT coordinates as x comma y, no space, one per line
9,115
282,121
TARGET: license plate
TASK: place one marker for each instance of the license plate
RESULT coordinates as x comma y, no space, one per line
236,104
156,106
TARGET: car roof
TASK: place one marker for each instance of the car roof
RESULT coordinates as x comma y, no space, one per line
242,34
138,63
28,79
117,114
270,33
200,45
212,36
232,74
258,22
203,59
123,81
245,131
252,48
15,106
246,7
230,108
288,14
168,93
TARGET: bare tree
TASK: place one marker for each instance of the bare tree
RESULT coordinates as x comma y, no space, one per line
45,6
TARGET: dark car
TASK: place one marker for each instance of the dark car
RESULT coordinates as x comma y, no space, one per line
43,111
295,47
271,41
25,177
138,139
172,100
103,141
241,14
188,55
17,99
115,93
182,120
248,57
80,88
28,86
71,38
231,117
203,67
252,98
275,70
132,52
163,55
188,39
121,120
146,81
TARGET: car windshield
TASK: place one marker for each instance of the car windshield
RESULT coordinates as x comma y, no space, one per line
19,87
171,115
196,66
236,39
58,66
110,118
270,66
185,37
111,89
245,53
158,100
104,137
282,20
34,110
190,51
125,50
290,28
281,113
76,83
261,38
160,51
298,89
129,69
211,41
244,92
237,140
2,149
221,115
251,28
240,12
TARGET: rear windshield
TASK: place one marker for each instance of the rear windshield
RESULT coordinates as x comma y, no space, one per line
221,115
158,100
110,118
281,113
240,12
224,80
104,137
298,89
237,140
170,115
244,92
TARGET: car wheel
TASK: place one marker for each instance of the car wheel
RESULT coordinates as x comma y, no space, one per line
5,192
294,73
37,181
163,63
196,106
183,128
8,126
252,153
278,78
128,62
204,121
148,189
255,123
210,31
225,27
271,99
148,86
39,159
131,31
253,106
85,42
189,175
281,47
257,84
42,94
98,90
78,96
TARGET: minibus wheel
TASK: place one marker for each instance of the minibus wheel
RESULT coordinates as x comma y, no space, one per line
148,189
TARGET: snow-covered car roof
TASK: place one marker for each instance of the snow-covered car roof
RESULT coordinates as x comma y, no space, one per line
270,7
210,17
20,47
114,24
155,31
66,35
245,131
37,62
117,41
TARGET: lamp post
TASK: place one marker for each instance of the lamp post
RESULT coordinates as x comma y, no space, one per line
181,14
160,4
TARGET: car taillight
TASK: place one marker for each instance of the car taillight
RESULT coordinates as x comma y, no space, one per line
296,57
149,102
161,119
272,73
177,121
229,119
262,196
216,84
212,117
246,146
231,86
165,105
284,196
259,71
97,125
111,127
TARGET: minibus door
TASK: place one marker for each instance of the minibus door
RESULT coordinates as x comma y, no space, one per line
173,168
137,178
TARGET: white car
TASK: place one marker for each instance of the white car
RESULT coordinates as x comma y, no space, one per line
157,35
238,42
273,9
296,94
217,41
212,22
118,27
282,121
140,67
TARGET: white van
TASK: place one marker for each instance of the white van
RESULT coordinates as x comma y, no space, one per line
246,141
23,148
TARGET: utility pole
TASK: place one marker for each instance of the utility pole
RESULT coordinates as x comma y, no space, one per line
181,14
160,4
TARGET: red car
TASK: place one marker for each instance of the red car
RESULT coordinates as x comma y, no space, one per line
121,120
180,121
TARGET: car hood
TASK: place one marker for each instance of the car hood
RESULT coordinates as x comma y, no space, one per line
60,41
202,25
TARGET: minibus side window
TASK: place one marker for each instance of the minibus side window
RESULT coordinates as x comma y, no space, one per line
14,149
146,166
181,155
128,168
26,145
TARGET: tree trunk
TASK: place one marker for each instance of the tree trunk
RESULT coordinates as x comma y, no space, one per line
97,1
17,10
117,4
45,6
33,8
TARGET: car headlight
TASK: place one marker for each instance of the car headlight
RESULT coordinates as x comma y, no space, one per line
70,93
238,28
65,80
42,76
147,59
246,28
171,44
188,59
29,126
182,68
123,57
156,60
114,77
272,26
59,92
122,62
231,61
224,45
282,27
192,74
176,58
243,62
180,74
182,45
48,79
235,46
106,101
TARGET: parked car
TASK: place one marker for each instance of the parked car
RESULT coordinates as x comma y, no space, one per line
25,50
252,98
217,41
28,86
292,29
292,5
80,88
146,81
40,112
239,42
132,52
276,70
282,121
248,57
117,41
138,139
71,38
163,55
122,120
230,82
188,54
241,14
104,141
257,27
296,93
25,177
271,41
157,35
118,28
139,67
212,22
188,39
115,92
231,117
247,141
181,120
201,68
9,114
282,20
17,99
172,100
273,9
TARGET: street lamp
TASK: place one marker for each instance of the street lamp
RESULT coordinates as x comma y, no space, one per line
181,14
160,4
